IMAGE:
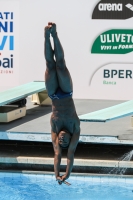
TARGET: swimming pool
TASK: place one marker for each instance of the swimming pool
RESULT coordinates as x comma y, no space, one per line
22,186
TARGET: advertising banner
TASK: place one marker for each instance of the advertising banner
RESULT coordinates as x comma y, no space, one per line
96,36
112,47
113,9
9,43
113,79
114,42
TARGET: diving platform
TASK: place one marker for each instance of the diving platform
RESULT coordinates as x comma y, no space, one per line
13,101
21,92
108,114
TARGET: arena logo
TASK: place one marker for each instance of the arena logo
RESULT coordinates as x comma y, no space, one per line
6,39
110,7
113,9
116,41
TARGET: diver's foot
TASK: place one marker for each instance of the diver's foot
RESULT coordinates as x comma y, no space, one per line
53,28
47,31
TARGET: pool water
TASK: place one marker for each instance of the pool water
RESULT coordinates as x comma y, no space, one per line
20,186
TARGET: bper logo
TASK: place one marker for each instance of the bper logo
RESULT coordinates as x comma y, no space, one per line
119,73
113,9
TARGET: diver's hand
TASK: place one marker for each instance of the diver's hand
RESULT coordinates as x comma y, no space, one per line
59,179
64,177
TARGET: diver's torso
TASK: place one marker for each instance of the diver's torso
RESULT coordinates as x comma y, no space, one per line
64,116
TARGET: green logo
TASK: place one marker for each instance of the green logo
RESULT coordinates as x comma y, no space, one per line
115,41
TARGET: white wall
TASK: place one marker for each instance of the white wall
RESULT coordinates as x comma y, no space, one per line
77,32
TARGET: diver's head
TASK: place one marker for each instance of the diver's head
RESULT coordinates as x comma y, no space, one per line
64,138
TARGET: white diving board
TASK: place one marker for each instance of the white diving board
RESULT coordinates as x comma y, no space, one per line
110,113
20,92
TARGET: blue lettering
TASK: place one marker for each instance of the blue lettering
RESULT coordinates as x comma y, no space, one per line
11,43
3,27
7,62
11,61
1,17
11,15
11,26
3,43
6,14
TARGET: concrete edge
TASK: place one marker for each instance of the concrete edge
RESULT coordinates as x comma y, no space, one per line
77,162
46,137
73,174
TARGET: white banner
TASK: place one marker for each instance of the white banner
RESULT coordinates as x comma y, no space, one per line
114,79
96,36
9,43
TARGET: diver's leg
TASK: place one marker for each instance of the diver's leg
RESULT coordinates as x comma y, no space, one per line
64,78
51,80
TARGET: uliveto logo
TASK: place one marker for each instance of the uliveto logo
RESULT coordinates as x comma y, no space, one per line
115,41
113,9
